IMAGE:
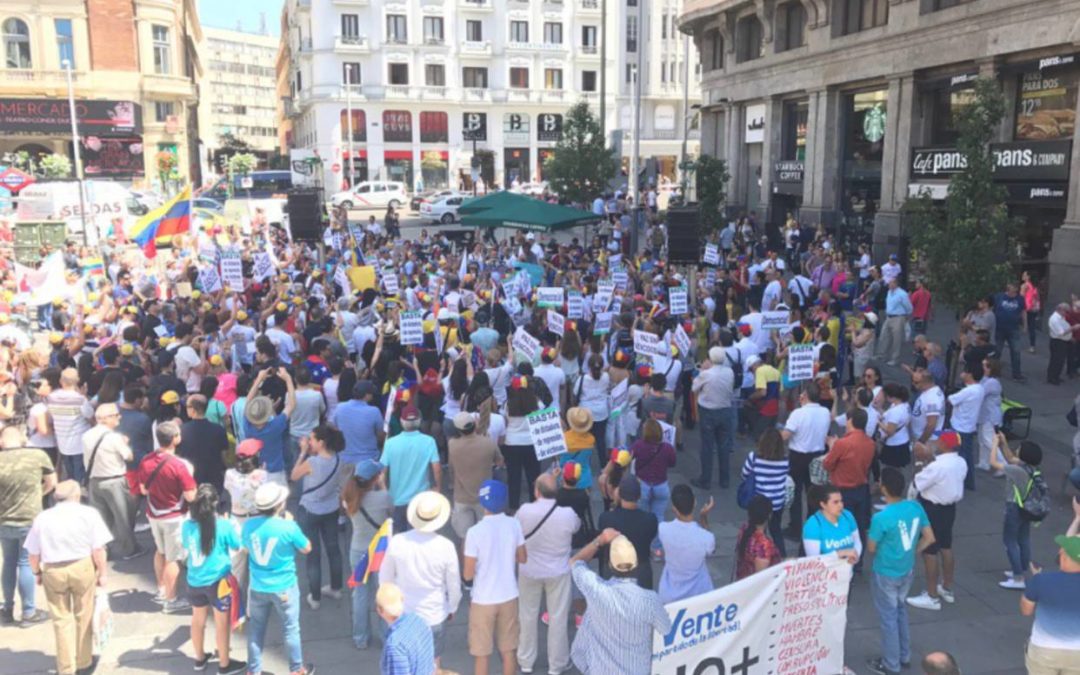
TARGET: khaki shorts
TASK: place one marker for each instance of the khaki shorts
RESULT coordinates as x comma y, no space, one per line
167,537
1039,660
465,516
499,620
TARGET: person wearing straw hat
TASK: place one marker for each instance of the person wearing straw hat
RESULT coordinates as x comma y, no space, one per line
261,423
424,564
272,540
616,635
580,443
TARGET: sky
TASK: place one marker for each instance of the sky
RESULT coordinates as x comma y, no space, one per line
225,14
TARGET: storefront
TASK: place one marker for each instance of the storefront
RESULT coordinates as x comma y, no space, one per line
787,177
358,166
864,115
548,134
515,166
475,159
434,161
754,137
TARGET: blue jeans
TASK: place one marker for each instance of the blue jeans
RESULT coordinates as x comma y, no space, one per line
363,603
1012,337
890,594
287,607
17,569
1017,537
321,531
968,444
73,468
717,438
655,500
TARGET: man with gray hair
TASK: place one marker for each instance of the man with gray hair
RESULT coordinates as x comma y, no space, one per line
407,647
69,411
715,390
940,663
106,453
1060,342
408,457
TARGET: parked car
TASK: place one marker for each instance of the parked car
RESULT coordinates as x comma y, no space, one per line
208,204
442,210
372,194
427,196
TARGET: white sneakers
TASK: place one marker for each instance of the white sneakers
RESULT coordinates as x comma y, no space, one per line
335,594
945,594
927,601
1013,584
312,602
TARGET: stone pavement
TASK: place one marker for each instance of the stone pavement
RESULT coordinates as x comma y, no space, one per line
984,629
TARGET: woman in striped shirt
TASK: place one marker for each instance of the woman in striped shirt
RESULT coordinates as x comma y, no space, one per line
769,466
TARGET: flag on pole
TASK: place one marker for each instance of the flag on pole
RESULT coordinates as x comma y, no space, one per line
168,220
372,559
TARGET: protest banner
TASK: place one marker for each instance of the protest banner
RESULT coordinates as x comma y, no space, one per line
789,618
682,340
776,320
575,305
549,297
602,325
390,282
208,252
800,363
209,280
647,344
677,298
556,323
232,269
412,328
712,255
547,434
264,267
526,344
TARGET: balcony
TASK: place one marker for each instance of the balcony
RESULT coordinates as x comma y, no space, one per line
434,42
475,94
589,6
589,52
398,91
476,5
305,46
396,40
476,48
432,93
351,3
352,90
54,78
662,135
352,44
536,47
554,95
591,97
169,85
520,95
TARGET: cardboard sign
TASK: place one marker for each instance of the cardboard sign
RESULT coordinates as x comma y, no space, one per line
602,326
556,323
668,432
390,283
647,344
549,297
183,289
682,341
677,298
526,344
209,280
712,254
264,267
778,320
232,269
412,328
547,434
575,305
800,363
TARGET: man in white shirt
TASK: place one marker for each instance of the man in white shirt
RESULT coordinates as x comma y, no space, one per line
805,432
940,484
106,453
715,389
492,547
190,364
753,319
1060,342
548,532
966,405
552,375
928,411
891,270
799,286
774,291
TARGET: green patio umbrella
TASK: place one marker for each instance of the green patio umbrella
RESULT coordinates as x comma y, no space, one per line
508,209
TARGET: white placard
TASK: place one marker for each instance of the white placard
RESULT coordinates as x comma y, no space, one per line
710,278
775,320
390,283
264,267
602,325
712,255
616,305
677,297
412,328
575,305
667,433
556,323
614,260
549,297
210,280
620,395
232,269
510,287
337,240
621,278
208,252
440,341
647,344
682,341
547,434
605,291
341,278
800,363
526,344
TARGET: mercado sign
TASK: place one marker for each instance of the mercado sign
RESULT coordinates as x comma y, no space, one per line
51,116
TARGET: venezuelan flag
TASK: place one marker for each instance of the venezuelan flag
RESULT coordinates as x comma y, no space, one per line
168,220
372,559
231,598
93,266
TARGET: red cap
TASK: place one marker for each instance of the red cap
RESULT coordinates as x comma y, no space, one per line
571,472
410,413
249,448
744,329
949,439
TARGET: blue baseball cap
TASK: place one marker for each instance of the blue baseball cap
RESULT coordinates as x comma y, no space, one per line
493,496
368,469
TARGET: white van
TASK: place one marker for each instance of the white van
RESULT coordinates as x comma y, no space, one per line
105,201
373,194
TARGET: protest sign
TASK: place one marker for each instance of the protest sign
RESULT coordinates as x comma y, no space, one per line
647,344
602,325
512,306
208,252
264,267
710,278
575,305
620,394
712,255
614,261
390,283
440,340
667,432
789,618
616,305
510,287
605,290
621,278
232,269
777,320
677,298
800,362
209,280
556,323
337,241
549,297
682,340
412,328
547,434
526,344
342,279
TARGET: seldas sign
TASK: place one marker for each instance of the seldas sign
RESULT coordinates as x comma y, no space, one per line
1023,160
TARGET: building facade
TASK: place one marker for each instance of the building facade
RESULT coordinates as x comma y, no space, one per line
240,91
426,84
134,67
838,110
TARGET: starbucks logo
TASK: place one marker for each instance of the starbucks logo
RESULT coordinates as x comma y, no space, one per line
874,124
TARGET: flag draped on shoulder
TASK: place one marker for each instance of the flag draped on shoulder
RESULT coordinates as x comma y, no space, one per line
372,559
168,220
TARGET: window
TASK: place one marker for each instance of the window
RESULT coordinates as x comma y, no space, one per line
519,31
433,29
629,73
935,5
350,73
947,104
162,110
359,126
588,37
663,27
475,78
396,28
552,33
553,78
16,44
790,26
631,3
663,70
474,31
435,75
860,15
350,27
519,78
65,46
588,80
748,39
672,77
162,50
631,33
714,50
399,73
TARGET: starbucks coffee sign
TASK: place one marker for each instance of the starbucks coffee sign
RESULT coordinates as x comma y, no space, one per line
874,124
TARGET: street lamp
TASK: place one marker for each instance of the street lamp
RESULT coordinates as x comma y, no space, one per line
66,65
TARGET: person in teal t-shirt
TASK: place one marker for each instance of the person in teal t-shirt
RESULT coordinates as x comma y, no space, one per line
897,533
832,528
412,460
272,540
207,540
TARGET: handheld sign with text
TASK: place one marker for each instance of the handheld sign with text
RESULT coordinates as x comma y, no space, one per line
510,287
602,326
390,283
232,269
710,278
712,254
526,344
678,300
412,328
264,267
556,323
614,260
547,434
616,305
575,305
777,320
667,432
682,340
605,290
341,278
647,344
549,297
800,364
210,280
621,278
620,395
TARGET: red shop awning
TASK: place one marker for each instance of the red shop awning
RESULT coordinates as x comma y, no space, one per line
398,154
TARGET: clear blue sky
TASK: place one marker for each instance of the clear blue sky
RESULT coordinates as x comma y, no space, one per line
226,14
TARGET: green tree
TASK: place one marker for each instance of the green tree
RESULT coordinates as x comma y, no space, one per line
711,177
242,164
54,166
581,165
963,247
